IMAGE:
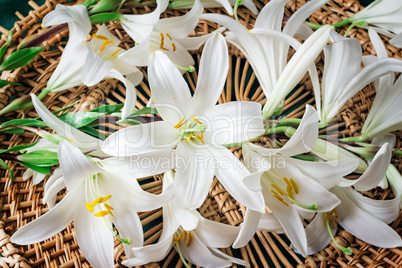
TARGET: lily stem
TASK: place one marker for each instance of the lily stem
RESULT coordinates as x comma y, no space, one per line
336,25
348,250
363,137
181,255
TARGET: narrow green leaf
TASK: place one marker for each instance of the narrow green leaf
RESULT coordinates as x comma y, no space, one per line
4,165
104,17
18,147
5,83
129,121
43,170
93,132
145,110
40,158
20,58
80,119
108,109
3,49
67,107
21,122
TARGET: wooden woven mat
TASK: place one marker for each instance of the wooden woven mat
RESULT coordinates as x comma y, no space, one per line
20,202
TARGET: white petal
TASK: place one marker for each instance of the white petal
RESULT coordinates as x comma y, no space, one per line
141,139
317,234
94,237
248,228
271,15
363,225
180,27
37,178
48,225
397,41
380,140
375,171
75,165
385,210
215,234
212,74
194,43
79,138
269,223
131,93
51,191
135,77
231,172
199,254
194,176
170,93
95,68
220,254
151,253
77,18
290,221
138,55
233,122
27,174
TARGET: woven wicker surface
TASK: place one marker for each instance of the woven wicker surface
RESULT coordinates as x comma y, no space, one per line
20,202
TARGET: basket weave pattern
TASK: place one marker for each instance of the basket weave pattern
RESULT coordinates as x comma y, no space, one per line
21,202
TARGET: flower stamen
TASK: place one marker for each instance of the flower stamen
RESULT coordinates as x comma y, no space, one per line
196,120
97,201
114,53
105,43
199,138
179,124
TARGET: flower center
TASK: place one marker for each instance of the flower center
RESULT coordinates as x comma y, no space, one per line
97,202
106,42
185,236
287,192
192,130
169,40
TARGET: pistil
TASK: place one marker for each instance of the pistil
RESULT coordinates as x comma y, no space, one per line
328,217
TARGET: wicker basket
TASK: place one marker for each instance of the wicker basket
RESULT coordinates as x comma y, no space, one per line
21,202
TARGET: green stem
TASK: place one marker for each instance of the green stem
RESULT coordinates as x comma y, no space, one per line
336,25
289,131
290,121
40,97
312,207
188,69
348,250
238,3
310,158
313,25
181,255
363,23
363,137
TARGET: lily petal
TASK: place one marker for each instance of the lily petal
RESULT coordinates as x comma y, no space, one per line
51,190
248,228
317,234
75,165
48,225
215,234
95,68
141,139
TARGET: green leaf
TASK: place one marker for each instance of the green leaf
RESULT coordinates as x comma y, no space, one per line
80,119
67,107
40,158
4,165
5,83
43,170
3,49
129,121
18,147
93,132
20,58
145,110
108,109
21,122
105,17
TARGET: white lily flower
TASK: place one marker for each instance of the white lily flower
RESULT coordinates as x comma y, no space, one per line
343,59
88,64
363,217
226,4
101,193
167,35
289,187
195,238
266,48
197,127
386,15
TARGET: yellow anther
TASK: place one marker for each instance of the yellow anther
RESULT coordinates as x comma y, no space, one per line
106,198
277,188
279,198
179,124
199,138
101,37
289,191
70,140
108,207
294,186
189,136
105,43
177,238
287,181
97,201
163,48
168,36
114,53
110,212
174,47
190,237
185,235
196,120
162,38
89,207
102,213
